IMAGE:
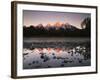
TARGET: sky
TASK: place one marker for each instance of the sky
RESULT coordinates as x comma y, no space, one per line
31,17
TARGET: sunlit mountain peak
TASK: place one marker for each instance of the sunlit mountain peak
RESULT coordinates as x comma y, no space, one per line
48,25
57,24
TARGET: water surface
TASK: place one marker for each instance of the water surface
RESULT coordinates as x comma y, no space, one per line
56,52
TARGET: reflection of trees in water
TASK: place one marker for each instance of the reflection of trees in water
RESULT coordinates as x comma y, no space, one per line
56,54
82,48
56,44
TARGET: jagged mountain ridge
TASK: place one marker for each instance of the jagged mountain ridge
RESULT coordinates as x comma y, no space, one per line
62,26
57,30
56,26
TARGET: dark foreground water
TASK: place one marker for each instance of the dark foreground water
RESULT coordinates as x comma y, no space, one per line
56,52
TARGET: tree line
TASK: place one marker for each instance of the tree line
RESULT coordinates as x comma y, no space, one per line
41,31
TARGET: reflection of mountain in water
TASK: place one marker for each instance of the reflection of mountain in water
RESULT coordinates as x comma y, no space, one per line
46,53
58,30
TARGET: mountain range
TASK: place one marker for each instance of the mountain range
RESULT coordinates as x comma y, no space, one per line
56,26
57,30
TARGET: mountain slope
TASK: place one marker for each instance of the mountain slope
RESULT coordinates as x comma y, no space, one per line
56,30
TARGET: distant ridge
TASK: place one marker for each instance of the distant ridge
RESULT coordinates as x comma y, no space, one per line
58,30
